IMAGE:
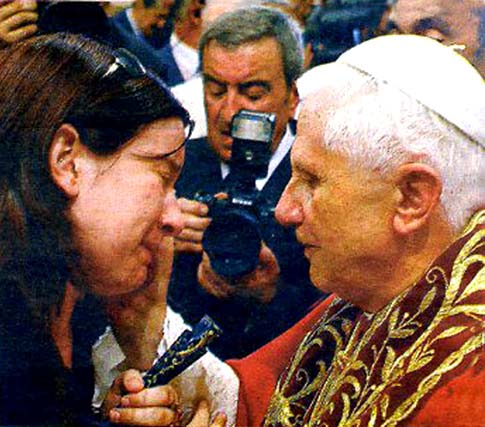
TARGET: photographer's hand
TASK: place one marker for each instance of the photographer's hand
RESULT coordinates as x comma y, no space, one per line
17,21
260,284
196,221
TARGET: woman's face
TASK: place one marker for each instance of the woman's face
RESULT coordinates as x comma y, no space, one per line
125,205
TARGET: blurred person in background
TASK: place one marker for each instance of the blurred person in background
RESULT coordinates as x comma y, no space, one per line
460,24
181,54
336,26
20,20
151,20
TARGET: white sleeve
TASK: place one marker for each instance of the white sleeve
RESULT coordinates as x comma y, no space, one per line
209,378
107,361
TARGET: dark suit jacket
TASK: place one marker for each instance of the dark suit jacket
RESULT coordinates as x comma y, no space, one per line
174,76
122,35
158,39
247,325
121,21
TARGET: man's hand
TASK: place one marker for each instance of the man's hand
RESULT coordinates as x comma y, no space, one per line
260,284
129,403
196,221
17,21
137,318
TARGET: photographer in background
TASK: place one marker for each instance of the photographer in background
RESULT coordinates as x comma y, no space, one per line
250,60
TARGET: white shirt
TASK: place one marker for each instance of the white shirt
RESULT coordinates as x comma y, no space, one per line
191,95
209,378
186,57
281,151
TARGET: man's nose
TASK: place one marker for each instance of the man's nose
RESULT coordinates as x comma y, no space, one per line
288,211
172,221
232,105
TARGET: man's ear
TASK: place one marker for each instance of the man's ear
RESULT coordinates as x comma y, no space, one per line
419,187
63,156
293,99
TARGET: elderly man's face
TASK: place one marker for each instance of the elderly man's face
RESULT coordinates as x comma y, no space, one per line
452,22
248,77
342,212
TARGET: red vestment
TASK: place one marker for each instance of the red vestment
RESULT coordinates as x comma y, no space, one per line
419,361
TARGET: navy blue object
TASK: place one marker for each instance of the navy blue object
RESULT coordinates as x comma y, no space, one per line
187,349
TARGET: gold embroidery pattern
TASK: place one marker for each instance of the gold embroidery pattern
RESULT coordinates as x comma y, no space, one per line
390,361
288,410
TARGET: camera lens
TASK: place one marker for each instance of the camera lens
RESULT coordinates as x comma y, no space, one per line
233,242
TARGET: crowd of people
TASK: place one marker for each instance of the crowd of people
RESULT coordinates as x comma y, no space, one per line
366,302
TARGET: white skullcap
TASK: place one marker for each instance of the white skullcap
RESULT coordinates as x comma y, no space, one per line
429,72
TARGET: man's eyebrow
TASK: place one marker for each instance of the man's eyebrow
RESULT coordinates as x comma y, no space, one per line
431,22
256,83
210,79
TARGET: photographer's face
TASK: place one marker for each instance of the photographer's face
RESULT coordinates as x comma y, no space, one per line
125,206
248,77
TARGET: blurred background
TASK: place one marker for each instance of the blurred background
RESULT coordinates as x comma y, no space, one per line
336,25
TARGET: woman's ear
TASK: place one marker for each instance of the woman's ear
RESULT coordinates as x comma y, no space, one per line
419,186
63,156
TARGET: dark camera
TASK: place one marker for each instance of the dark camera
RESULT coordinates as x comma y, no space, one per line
233,238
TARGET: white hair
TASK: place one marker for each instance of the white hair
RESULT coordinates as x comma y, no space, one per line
382,128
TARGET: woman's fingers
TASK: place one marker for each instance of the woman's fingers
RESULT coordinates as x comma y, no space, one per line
156,396
202,417
152,416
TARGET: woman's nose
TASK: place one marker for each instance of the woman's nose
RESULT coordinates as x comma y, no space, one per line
288,211
172,221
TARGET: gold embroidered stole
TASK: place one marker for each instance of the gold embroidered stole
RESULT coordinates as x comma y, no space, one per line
358,369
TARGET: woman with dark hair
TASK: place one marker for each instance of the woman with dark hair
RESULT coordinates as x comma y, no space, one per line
90,147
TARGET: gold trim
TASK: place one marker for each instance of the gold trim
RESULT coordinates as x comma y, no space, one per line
365,383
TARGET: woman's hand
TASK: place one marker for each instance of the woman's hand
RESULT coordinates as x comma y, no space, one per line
129,403
137,318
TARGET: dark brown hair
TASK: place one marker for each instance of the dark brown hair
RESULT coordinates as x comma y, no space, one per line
45,82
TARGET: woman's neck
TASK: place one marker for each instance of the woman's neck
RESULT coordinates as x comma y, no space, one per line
60,324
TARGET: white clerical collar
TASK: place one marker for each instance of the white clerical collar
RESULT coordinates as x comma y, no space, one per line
186,57
133,24
281,151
